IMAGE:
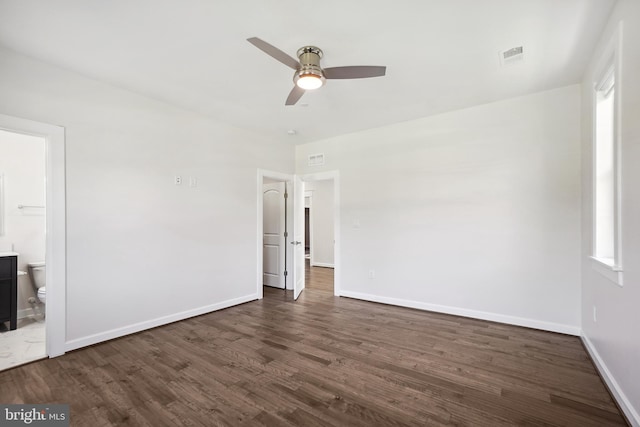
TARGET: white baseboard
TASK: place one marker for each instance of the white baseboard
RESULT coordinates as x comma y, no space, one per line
137,327
632,414
322,264
24,313
483,315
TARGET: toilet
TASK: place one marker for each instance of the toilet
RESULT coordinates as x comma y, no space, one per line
37,276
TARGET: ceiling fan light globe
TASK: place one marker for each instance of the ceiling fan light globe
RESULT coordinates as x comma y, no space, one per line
309,82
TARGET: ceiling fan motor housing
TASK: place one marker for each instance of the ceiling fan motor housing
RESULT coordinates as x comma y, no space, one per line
309,57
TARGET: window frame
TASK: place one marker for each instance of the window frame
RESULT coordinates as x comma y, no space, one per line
609,67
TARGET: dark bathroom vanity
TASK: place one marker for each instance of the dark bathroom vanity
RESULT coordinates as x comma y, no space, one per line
9,289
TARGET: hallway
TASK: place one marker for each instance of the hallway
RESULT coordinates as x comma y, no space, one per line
318,278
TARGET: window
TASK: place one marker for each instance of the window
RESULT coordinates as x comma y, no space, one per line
606,164
604,171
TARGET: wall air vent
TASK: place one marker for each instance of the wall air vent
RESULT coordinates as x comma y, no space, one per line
512,56
316,159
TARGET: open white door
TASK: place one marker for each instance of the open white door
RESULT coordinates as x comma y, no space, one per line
273,239
298,236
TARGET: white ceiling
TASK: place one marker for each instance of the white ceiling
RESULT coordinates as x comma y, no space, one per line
441,55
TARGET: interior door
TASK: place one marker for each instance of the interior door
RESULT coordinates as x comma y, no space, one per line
273,240
298,236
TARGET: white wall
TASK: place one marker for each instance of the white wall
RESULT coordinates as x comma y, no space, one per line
614,339
322,245
22,162
140,250
475,212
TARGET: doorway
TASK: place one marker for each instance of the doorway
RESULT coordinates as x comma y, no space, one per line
296,270
275,225
22,243
274,233
48,210
319,234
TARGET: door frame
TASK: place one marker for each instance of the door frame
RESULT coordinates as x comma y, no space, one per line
55,256
335,176
309,194
288,178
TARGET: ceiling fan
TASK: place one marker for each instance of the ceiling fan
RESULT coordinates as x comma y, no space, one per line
308,73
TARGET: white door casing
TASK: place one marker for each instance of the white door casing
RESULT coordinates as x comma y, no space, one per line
298,236
273,239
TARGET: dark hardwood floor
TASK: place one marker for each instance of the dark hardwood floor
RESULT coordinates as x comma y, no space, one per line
323,361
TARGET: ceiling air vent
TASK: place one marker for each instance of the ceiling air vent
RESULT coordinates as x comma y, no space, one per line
512,56
316,159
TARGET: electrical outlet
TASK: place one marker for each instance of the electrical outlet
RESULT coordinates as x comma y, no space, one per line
177,180
372,274
193,181
595,314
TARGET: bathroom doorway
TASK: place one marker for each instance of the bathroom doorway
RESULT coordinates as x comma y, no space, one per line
23,238
32,238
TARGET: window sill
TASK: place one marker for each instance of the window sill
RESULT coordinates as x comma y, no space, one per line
608,269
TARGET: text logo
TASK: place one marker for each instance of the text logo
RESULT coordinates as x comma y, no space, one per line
34,415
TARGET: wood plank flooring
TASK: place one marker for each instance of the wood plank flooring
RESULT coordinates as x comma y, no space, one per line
318,278
323,361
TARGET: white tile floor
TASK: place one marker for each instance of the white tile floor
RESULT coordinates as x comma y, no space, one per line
24,345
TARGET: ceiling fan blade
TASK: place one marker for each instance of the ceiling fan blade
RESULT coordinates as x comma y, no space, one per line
274,52
294,96
354,72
